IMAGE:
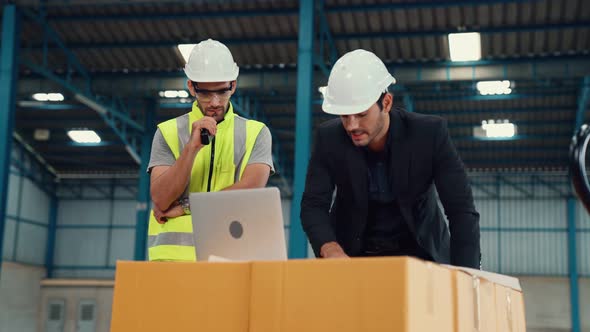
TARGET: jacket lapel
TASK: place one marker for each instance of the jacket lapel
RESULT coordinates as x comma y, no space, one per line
400,152
357,167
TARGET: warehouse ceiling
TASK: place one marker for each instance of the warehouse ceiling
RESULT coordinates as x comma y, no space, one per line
123,53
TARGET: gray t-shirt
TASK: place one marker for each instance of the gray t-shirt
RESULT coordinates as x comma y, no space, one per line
261,153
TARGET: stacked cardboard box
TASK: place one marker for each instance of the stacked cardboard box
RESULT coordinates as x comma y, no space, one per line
364,294
486,302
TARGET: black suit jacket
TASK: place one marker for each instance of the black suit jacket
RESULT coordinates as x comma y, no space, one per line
422,156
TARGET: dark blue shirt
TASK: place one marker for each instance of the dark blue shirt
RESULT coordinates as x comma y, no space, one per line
386,233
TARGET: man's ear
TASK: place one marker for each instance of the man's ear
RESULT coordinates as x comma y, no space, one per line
387,102
191,88
234,85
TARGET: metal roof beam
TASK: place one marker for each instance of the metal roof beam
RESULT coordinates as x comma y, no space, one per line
175,16
457,125
481,187
89,154
284,116
66,144
519,123
276,12
113,114
516,187
32,165
494,149
534,68
555,187
285,71
333,37
328,52
72,162
481,30
517,161
514,138
502,110
418,5
495,97
40,105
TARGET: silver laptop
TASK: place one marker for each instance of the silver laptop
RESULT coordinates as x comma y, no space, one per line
238,225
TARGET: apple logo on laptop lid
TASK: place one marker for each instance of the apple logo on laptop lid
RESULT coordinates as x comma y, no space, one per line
235,229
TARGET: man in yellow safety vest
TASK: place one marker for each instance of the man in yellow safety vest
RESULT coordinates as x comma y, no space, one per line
237,156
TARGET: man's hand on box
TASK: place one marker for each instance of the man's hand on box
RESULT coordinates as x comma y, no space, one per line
332,250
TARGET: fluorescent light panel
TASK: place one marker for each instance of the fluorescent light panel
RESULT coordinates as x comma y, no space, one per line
495,129
185,50
84,136
170,94
48,96
465,46
494,87
173,94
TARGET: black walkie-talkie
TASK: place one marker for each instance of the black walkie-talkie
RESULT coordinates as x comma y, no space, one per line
205,136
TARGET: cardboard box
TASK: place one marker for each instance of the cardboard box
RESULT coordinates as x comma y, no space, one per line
162,296
474,303
496,278
362,294
486,301
510,309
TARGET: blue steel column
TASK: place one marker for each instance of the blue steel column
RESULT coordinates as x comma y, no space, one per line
143,194
8,77
303,128
573,264
51,230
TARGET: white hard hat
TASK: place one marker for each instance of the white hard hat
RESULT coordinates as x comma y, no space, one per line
211,61
356,82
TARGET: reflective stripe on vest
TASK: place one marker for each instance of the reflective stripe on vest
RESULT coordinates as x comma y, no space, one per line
234,142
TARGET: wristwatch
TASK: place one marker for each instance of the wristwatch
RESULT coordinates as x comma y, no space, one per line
184,202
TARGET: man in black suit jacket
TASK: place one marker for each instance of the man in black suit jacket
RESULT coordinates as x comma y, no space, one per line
384,165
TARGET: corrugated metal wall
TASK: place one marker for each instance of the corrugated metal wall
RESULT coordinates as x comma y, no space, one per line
27,213
92,231
96,227
92,234
524,224
583,240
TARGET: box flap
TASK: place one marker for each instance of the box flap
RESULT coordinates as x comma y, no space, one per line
496,278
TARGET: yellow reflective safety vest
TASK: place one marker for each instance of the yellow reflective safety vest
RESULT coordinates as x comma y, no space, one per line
217,166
